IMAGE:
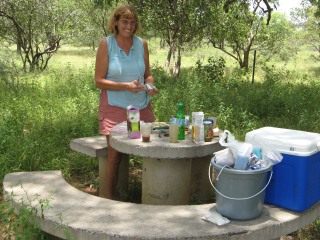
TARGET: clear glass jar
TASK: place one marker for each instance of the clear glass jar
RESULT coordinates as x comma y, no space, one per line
208,131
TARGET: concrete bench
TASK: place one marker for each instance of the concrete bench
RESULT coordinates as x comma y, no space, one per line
97,147
85,216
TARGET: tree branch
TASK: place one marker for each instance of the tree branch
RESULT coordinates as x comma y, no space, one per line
269,10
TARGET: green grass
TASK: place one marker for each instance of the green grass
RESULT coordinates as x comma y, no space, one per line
41,112
75,57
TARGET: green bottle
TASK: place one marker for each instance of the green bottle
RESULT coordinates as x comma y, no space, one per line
181,121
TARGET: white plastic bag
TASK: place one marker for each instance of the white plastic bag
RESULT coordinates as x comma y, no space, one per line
240,150
224,158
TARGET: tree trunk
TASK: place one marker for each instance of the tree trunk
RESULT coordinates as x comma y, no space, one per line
167,65
245,63
18,48
162,43
93,45
254,65
177,64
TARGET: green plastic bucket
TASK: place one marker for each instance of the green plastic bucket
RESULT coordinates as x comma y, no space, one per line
240,193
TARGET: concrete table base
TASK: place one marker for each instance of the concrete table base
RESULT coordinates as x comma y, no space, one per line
201,190
173,173
157,178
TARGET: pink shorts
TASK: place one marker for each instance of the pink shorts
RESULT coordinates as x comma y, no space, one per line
109,116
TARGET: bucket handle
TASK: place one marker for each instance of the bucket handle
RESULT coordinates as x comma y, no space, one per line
246,198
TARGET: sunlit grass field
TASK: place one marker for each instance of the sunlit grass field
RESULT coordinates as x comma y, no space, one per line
302,64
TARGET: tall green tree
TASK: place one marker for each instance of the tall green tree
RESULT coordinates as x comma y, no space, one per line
278,38
316,4
242,28
307,21
94,23
183,23
177,22
37,27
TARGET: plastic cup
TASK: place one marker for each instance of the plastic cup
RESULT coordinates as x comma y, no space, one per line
145,129
173,132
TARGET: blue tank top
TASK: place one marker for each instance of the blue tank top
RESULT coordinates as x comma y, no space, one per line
126,68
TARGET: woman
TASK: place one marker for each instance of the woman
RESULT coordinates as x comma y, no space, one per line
122,70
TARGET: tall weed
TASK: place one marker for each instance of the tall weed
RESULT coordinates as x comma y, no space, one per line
41,118
23,225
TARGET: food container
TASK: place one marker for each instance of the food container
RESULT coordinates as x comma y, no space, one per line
208,131
133,122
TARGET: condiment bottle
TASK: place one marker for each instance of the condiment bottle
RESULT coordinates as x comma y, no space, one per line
208,131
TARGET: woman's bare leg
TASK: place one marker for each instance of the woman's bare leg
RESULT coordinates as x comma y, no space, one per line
113,163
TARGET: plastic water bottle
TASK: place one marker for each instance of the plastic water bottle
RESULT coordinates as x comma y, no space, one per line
198,128
181,121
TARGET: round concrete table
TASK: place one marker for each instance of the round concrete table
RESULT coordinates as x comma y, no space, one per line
172,173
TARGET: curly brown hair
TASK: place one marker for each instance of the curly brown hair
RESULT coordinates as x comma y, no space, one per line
123,11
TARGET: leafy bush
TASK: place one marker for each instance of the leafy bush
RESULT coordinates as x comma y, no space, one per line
310,232
240,105
10,72
41,118
213,71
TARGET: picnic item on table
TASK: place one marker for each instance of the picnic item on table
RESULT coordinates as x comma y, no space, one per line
133,122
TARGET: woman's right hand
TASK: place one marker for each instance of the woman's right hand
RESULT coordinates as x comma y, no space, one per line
135,87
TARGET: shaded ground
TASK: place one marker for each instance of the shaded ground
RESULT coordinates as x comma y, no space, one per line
134,185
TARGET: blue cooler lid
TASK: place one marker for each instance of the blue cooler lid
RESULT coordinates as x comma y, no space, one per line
287,141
